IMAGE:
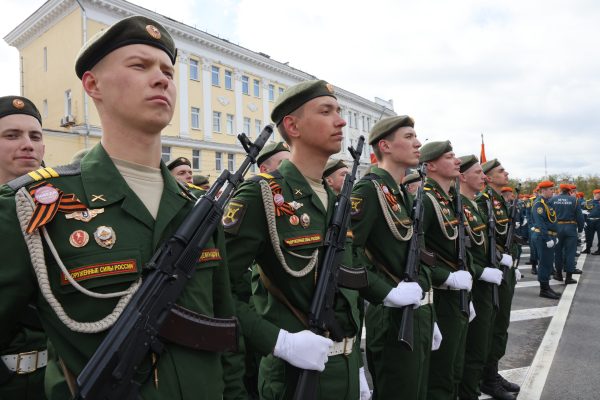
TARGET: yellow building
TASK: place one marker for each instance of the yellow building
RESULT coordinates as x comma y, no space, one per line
223,88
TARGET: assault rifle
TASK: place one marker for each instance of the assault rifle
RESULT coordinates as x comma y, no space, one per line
492,244
411,271
110,373
511,236
462,250
321,318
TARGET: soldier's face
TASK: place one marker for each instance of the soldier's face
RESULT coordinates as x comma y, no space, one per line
336,179
135,88
21,146
473,178
319,125
597,196
183,173
498,176
403,147
272,163
446,166
546,192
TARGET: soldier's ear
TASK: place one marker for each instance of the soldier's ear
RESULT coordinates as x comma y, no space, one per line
90,84
290,124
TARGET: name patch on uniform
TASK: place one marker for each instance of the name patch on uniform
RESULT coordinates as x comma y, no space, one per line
210,255
232,218
100,270
303,240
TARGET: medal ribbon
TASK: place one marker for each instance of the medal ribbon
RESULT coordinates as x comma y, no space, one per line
44,213
284,208
391,199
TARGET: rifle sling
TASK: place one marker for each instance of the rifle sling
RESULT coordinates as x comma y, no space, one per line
200,332
381,267
278,294
449,263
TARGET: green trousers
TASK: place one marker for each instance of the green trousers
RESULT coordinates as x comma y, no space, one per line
445,372
398,373
479,338
24,387
502,320
277,379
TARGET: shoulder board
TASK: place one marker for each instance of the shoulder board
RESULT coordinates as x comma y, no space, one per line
192,186
426,188
186,187
44,173
263,175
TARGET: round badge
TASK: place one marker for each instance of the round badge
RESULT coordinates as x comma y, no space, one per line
294,220
105,236
305,219
278,199
46,195
395,207
18,104
386,190
153,31
79,238
103,233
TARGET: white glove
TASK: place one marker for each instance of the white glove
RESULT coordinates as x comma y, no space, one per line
507,260
517,225
550,244
491,275
436,340
556,241
585,225
304,349
460,280
406,293
518,275
585,212
365,391
472,313
524,221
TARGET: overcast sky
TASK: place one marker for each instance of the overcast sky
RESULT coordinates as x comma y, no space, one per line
526,74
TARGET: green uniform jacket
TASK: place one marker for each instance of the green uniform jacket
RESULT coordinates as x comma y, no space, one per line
182,373
500,214
476,228
248,240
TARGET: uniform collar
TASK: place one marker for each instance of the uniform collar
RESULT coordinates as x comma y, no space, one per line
387,179
300,186
433,185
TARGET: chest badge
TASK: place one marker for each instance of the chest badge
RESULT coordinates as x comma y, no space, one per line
295,205
278,199
79,238
305,220
105,236
84,216
98,197
46,195
294,220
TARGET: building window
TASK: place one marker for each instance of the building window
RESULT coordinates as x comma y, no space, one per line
215,76
247,126
45,108
280,91
245,88
216,121
193,69
228,80
166,153
45,59
229,126
257,126
218,161
196,159
68,102
195,118
271,93
256,88
231,162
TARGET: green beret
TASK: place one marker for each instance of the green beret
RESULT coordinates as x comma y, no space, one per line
132,30
200,180
434,150
18,105
269,150
385,126
467,162
490,165
332,166
411,178
295,96
177,162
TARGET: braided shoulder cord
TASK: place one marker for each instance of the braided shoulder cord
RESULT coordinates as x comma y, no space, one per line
24,206
441,217
267,197
390,217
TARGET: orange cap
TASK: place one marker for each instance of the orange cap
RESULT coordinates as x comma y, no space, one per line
565,186
580,195
506,189
546,184
596,191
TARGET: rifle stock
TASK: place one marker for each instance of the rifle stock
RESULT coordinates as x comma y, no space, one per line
321,315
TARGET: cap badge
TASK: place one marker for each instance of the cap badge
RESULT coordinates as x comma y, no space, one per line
18,104
153,31
329,87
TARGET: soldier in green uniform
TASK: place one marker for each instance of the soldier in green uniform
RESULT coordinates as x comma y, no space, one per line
441,233
493,383
382,228
412,182
334,174
272,155
181,169
279,220
21,151
486,276
82,233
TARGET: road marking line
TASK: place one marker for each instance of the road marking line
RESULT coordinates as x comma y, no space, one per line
532,313
536,376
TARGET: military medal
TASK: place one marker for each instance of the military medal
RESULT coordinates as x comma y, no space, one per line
386,190
295,205
305,220
46,195
79,238
294,220
278,199
445,211
396,207
84,216
105,236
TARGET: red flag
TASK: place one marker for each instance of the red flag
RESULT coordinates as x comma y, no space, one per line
373,158
482,158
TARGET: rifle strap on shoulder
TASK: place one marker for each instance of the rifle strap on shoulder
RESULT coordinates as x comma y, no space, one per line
381,267
449,263
278,294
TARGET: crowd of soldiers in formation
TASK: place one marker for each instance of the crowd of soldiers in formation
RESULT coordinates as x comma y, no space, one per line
438,248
